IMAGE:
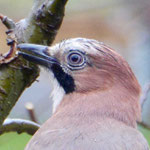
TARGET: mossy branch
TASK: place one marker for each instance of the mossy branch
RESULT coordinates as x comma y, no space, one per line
39,27
19,126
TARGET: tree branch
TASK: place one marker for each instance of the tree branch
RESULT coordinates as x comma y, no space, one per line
30,108
7,22
19,126
143,99
41,28
43,22
145,93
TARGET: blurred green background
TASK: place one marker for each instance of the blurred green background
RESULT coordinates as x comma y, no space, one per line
124,25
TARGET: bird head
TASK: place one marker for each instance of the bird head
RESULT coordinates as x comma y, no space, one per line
89,69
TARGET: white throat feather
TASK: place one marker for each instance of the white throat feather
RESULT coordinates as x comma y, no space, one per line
57,92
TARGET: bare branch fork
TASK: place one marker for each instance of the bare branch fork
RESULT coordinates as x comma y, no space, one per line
40,27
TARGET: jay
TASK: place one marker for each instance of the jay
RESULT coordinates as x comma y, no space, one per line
95,98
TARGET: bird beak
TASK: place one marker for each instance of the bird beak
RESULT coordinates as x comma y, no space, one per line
37,54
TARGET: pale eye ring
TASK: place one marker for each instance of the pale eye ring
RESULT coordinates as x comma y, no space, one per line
76,60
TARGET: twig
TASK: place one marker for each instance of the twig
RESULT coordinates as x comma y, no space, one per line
1,16
10,24
19,126
30,108
143,99
145,94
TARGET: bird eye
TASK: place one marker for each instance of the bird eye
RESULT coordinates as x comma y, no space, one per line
76,60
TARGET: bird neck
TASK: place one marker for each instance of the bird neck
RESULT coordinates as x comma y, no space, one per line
114,103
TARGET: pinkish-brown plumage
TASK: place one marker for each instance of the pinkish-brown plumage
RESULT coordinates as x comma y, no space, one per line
102,111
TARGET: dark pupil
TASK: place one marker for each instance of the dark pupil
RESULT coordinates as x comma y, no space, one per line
75,58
